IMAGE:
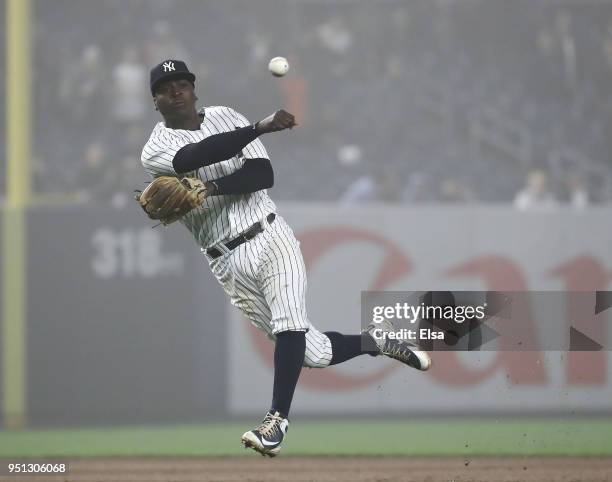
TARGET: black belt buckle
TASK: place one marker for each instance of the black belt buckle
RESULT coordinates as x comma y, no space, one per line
251,233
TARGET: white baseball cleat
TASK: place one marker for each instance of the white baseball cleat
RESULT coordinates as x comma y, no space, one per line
267,438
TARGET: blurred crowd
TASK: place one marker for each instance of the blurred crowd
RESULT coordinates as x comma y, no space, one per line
397,101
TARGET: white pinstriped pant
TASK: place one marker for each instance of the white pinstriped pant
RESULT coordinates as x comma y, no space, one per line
265,278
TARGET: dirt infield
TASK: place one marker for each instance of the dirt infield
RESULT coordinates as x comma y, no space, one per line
335,469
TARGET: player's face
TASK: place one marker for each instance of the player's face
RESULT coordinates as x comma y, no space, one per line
175,98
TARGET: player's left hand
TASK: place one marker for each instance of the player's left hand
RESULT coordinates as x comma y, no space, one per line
168,198
278,121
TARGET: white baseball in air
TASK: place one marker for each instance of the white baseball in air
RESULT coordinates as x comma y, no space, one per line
278,66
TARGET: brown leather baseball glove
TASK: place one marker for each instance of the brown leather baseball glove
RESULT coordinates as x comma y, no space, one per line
168,198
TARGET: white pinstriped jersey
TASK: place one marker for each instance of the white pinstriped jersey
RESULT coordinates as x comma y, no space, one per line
265,278
220,218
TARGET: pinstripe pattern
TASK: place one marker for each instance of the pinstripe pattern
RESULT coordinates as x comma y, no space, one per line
266,279
220,217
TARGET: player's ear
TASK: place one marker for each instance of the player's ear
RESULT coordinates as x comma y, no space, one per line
155,103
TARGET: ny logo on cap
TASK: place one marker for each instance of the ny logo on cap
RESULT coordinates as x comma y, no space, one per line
169,66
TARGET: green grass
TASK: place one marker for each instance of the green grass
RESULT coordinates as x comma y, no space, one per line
428,437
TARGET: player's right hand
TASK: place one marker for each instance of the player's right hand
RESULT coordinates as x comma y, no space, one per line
278,121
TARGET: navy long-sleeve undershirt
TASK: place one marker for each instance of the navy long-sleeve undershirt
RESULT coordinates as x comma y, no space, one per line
255,174
213,149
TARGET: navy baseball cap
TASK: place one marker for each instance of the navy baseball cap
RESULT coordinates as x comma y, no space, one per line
170,69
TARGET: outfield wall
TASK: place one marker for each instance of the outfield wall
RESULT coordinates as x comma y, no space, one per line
439,248
115,328
127,325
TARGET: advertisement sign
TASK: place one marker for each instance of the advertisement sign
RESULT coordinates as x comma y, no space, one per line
352,250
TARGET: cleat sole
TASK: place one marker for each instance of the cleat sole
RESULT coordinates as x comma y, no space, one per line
249,445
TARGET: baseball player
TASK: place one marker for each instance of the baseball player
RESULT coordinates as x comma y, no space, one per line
250,248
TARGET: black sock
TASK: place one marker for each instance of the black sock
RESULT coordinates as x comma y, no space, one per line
288,359
345,347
